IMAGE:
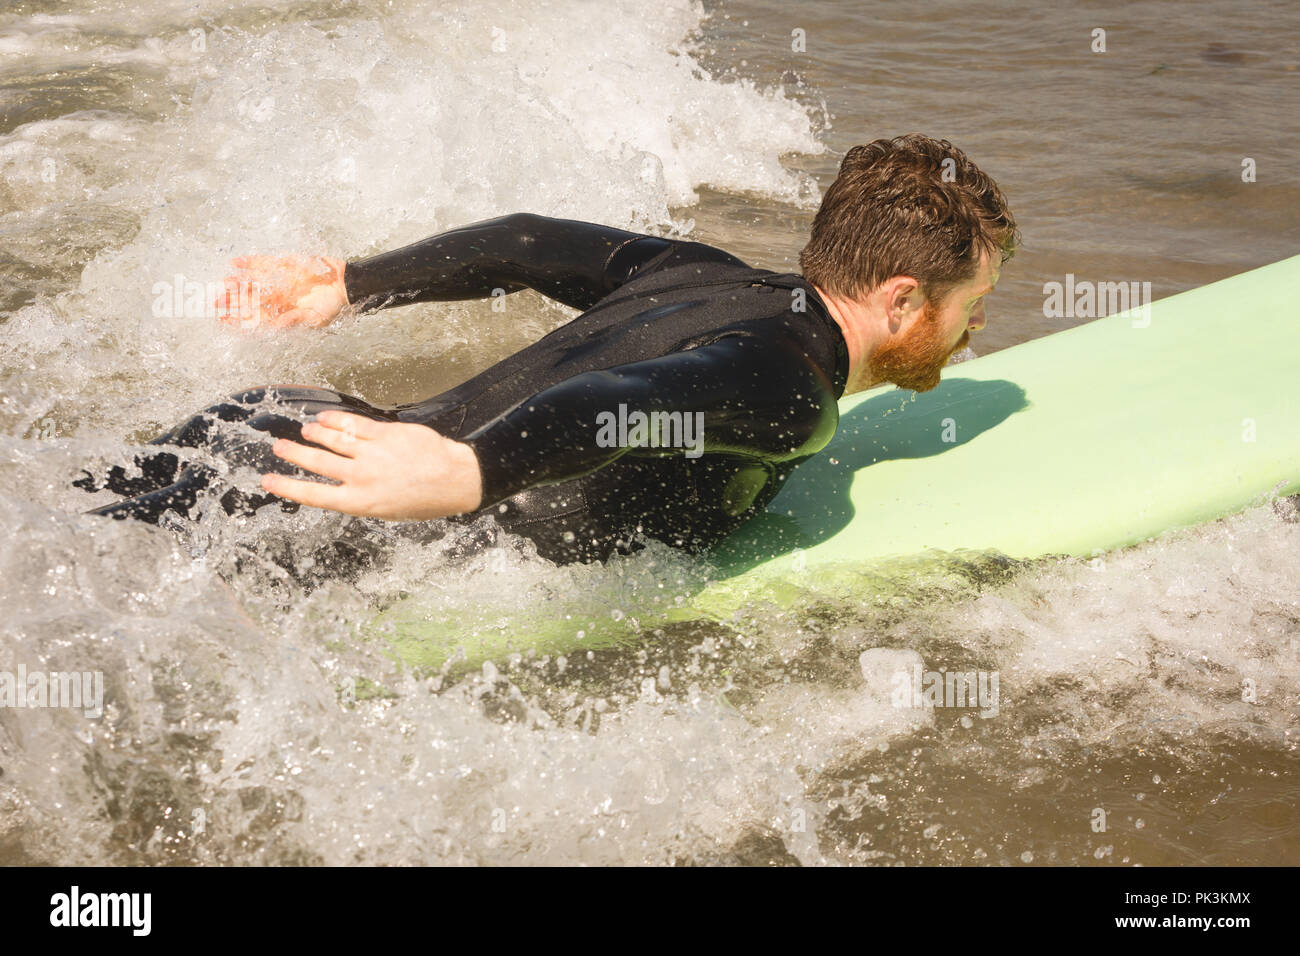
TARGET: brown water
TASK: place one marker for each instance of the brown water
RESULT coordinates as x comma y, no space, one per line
138,141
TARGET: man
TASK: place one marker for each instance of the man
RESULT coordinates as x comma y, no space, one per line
730,374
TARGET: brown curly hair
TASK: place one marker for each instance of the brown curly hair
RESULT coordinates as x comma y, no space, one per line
911,206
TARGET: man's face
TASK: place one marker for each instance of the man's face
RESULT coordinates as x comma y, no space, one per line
915,358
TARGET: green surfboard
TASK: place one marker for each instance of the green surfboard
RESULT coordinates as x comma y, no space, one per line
1076,443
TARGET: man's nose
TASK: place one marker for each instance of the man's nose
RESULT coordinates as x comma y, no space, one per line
977,319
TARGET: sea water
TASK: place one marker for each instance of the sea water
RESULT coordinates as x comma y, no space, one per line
1145,699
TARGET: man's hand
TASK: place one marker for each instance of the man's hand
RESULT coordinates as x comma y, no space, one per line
279,291
394,470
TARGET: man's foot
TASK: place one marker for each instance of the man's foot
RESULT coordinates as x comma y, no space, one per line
156,471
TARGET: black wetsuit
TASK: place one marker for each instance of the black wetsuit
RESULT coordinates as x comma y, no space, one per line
667,327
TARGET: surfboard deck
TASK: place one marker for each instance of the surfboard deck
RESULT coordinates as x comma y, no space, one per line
1079,442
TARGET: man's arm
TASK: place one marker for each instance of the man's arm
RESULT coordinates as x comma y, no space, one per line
576,263
757,399
753,397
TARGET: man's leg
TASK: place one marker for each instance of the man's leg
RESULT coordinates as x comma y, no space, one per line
162,468
223,431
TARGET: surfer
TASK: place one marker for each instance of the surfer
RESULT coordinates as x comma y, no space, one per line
674,406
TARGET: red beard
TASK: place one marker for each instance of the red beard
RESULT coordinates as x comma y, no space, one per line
916,361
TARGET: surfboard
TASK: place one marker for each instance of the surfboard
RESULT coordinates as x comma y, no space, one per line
1097,437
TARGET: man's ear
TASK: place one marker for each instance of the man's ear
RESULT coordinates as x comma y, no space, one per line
903,299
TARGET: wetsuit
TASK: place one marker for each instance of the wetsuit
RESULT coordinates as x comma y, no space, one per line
667,328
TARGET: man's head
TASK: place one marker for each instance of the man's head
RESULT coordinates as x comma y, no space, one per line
914,234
